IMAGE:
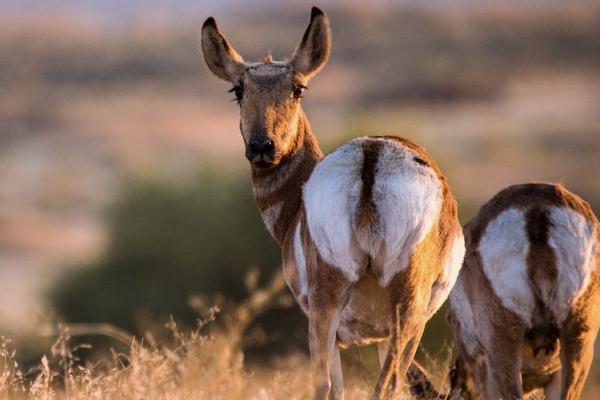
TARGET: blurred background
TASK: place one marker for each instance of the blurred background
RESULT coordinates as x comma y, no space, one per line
124,193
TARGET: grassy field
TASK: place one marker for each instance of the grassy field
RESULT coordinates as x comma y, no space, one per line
104,127
206,362
202,363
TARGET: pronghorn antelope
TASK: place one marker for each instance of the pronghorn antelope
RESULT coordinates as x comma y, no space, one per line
524,309
369,234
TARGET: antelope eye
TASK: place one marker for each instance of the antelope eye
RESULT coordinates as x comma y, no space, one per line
238,90
298,90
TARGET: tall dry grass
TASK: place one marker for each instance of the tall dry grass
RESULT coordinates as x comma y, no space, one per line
206,362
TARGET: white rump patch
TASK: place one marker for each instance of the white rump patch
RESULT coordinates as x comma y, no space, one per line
463,312
451,267
572,237
330,198
300,262
408,198
504,247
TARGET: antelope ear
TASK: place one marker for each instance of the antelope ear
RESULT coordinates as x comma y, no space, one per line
220,56
313,52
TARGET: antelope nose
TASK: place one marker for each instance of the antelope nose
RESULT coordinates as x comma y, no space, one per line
261,146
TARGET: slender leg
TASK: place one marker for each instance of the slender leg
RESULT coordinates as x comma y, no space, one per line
479,374
382,351
390,365
407,356
420,385
396,365
418,381
463,377
337,380
503,367
552,389
327,300
408,323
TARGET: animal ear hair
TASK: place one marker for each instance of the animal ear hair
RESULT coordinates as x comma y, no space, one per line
313,51
220,56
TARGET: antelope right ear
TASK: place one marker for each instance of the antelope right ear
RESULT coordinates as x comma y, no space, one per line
220,56
313,51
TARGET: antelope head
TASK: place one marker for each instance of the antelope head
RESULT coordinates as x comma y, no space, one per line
269,92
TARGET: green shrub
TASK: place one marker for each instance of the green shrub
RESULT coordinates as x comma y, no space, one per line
166,243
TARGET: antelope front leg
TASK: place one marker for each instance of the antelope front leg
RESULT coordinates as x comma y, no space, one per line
326,303
324,353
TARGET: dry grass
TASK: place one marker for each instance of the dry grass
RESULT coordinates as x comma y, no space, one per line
206,362
203,363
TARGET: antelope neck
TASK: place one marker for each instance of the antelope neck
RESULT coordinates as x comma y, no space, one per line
278,190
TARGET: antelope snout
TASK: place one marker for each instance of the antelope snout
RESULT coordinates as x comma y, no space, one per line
260,151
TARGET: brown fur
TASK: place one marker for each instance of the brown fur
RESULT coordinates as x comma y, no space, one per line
507,326
541,264
366,214
220,56
523,196
578,336
268,94
314,49
296,169
437,243
410,291
525,359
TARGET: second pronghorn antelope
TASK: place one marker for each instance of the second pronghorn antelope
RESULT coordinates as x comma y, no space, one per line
369,234
525,307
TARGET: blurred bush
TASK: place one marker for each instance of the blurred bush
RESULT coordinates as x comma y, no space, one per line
167,243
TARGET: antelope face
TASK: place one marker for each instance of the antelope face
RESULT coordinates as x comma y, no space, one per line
269,97
269,92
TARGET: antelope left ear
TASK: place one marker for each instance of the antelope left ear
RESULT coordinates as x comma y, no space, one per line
219,54
313,52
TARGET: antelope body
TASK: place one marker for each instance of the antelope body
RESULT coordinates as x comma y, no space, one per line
369,234
524,309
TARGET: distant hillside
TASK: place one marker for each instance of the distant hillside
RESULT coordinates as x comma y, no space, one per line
497,94
118,10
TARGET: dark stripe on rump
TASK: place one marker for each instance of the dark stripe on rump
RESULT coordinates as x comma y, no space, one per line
371,150
366,213
543,275
544,195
